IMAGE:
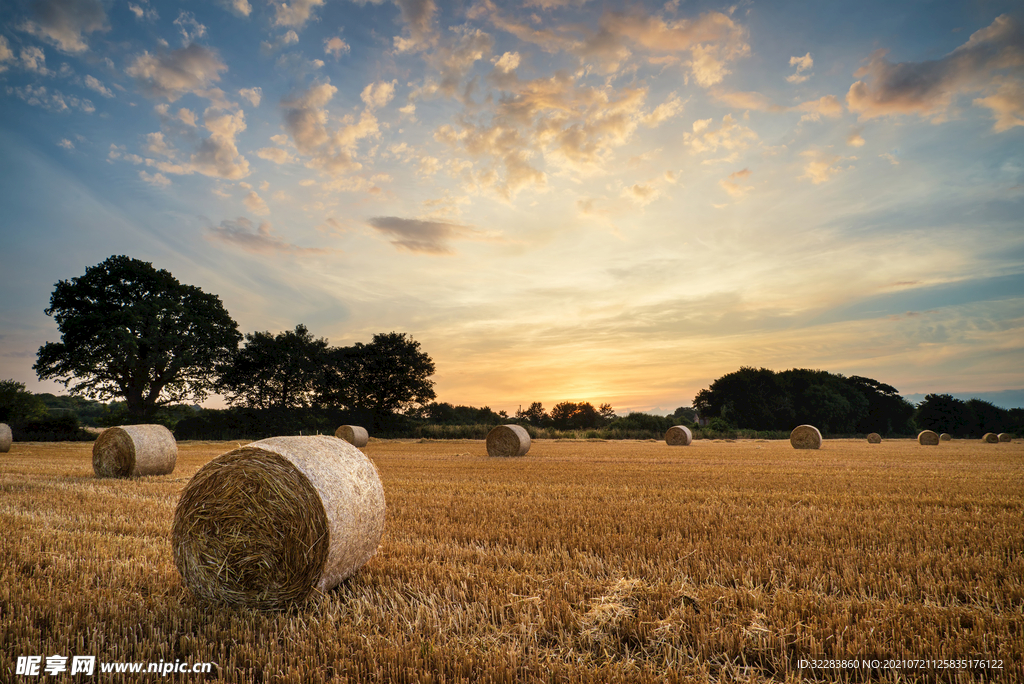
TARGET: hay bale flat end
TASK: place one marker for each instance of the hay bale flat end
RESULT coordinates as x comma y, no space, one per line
508,441
805,437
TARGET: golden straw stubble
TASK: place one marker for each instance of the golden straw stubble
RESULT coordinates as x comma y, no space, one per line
353,434
134,451
267,524
678,435
928,438
874,438
508,441
805,437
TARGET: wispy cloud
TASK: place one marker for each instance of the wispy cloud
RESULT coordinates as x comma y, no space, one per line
422,236
261,239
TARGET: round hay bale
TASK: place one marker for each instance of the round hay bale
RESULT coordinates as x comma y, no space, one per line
990,438
678,435
268,523
134,451
5,438
945,437
927,438
805,437
874,438
1005,437
353,434
508,440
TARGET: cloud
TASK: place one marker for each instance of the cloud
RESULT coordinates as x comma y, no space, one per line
289,38
336,46
6,54
377,95
253,95
332,152
733,186
157,179
639,193
745,100
424,237
827,106
296,13
802,64
189,27
276,155
33,59
157,145
729,136
891,158
66,144
929,89
64,22
191,69
418,16
1007,104
262,240
256,204
54,101
855,139
820,167
507,63
241,8
663,112
97,85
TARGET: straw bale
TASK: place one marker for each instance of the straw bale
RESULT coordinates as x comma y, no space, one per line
508,440
1005,437
945,437
5,438
928,438
990,438
874,438
269,523
805,437
353,434
678,435
134,451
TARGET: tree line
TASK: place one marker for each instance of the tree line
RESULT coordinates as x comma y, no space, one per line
762,399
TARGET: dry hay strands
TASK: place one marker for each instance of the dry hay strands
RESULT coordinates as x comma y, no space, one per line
5,438
928,438
508,440
133,451
990,438
805,437
678,435
874,438
1005,437
945,437
353,434
265,525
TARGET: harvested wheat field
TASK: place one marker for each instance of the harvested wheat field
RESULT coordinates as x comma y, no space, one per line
583,561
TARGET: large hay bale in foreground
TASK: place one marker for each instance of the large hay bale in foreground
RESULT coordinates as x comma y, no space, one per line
353,434
678,435
5,438
874,438
945,437
266,524
927,438
1005,437
507,441
805,437
990,438
134,451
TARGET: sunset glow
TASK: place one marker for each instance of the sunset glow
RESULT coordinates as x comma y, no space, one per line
559,199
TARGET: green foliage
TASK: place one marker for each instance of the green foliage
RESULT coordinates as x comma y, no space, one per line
133,332
17,404
56,427
275,371
971,418
568,415
535,415
446,414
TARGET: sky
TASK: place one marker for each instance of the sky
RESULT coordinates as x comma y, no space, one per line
560,200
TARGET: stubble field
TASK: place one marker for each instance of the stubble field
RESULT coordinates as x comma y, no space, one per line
584,561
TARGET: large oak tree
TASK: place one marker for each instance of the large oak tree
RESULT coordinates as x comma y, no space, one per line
132,332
